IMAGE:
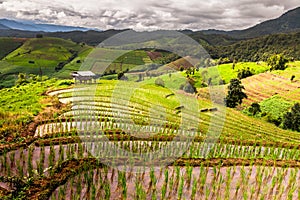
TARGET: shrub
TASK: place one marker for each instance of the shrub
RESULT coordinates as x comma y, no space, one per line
66,82
22,79
272,119
254,109
277,62
160,82
121,76
291,119
244,73
293,77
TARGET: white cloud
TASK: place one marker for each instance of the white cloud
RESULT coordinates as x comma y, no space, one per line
150,14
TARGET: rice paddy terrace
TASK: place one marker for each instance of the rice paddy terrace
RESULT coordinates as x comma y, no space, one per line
265,85
125,140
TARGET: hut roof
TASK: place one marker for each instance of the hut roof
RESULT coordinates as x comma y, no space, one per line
83,73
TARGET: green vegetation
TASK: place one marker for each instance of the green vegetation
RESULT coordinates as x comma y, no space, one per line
272,109
216,75
159,82
21,103
275,106
173,82
277,62
40,56
254,109
235,94
8,45
244,73
293,68
74,65
291,119
57,163
44,147
225,72
260,49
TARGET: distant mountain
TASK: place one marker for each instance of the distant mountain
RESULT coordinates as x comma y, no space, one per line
288,22
2,27
33,26
214,31
89,37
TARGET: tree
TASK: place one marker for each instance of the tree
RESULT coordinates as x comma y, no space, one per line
244,73
254,109
235,94
39,35
121,76
233,64
277,62
291,120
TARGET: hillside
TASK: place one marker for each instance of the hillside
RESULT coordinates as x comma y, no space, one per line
89,37
68,150
8,45
260,48
288,22
212,38
43,56
2,27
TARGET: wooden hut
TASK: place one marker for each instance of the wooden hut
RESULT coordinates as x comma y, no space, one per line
84,77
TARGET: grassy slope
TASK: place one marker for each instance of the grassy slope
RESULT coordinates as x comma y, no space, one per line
46,53
24,101
74,65
8,45
133,61
266,85
110,61
292,69
276,106
217,73
275,92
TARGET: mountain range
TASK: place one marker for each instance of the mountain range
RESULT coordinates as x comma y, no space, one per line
288,22
7,24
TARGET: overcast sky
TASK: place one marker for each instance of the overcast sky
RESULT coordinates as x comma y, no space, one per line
148,14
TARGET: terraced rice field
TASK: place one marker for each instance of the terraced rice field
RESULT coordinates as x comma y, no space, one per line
266,85
122,140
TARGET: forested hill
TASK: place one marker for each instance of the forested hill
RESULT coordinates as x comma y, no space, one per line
288,22
260,48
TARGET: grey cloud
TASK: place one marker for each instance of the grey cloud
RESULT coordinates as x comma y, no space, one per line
151,14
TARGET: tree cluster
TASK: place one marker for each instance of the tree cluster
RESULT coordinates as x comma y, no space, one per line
291,120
